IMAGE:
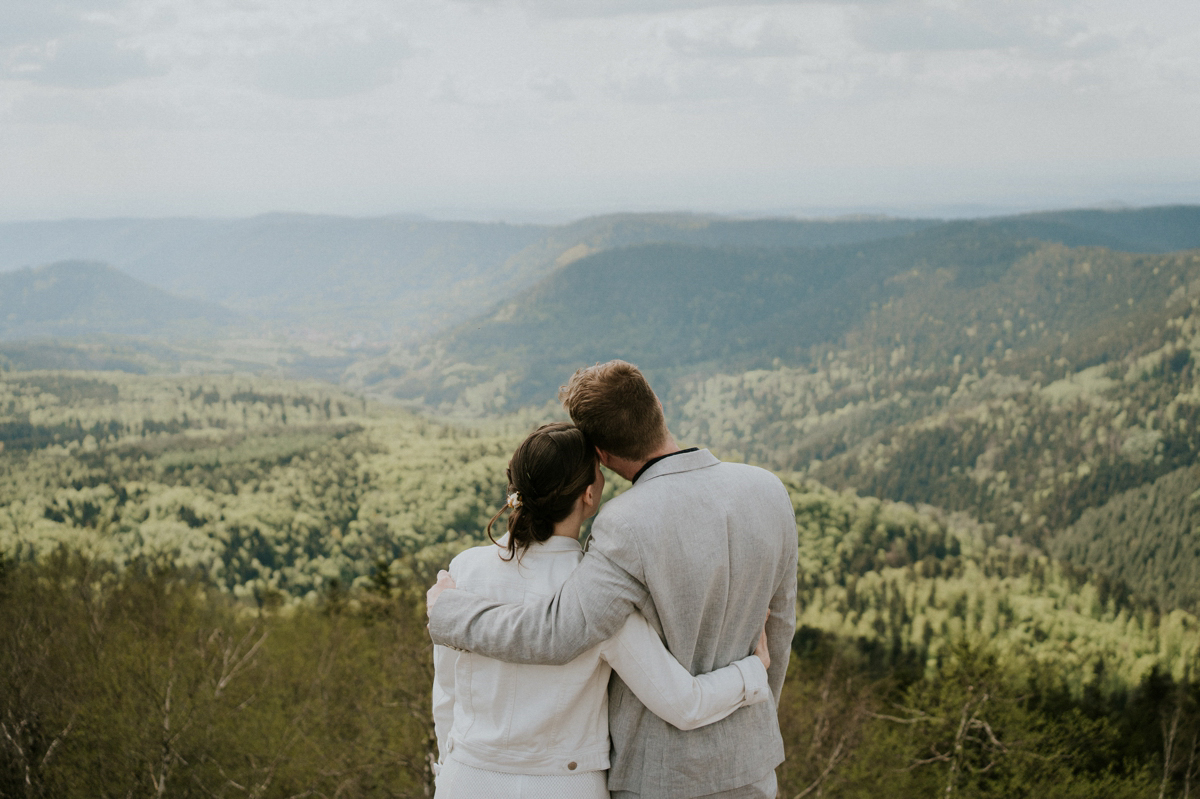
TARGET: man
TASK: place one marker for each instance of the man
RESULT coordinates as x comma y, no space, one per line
701,547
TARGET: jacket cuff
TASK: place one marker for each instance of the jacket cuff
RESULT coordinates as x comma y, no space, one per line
754,676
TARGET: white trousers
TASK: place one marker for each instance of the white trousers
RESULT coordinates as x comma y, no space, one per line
460,781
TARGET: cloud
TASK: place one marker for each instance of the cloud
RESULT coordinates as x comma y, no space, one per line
305,49
446,91
70,44
718,36
328,67
85,59
649,84
901,27
611,8
30,22
33,21
762,55
554,89
296,49
446,99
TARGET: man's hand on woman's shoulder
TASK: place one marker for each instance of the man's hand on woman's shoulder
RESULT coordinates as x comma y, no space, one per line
444,581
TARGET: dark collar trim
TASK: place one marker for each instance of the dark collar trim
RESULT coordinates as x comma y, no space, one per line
653,461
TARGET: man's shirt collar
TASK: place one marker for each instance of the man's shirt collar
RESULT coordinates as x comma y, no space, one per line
653,461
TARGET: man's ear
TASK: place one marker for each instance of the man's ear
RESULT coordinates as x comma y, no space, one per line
605,458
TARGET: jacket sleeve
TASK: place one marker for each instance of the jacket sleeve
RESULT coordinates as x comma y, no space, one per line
590,607
669,690
781,625
443,700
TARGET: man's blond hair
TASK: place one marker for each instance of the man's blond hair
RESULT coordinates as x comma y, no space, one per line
616,409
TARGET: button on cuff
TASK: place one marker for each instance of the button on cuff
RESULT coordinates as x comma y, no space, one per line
754,677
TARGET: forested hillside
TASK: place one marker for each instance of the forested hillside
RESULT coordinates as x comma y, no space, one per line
270,489
1147,537
682,309
257,550
326,295
1018,406
275,490
989,431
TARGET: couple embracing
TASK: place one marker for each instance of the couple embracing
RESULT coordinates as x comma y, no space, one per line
654,638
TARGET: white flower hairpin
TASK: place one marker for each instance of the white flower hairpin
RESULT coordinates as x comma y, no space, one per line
514,500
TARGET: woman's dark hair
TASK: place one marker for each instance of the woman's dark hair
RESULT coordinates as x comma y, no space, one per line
548,472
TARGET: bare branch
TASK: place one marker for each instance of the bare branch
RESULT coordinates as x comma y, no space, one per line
1187,775
983,725
11,736
898,720
834,759
938,757
234,660
1169,746
58,739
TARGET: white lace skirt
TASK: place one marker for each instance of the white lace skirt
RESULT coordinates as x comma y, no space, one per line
460,781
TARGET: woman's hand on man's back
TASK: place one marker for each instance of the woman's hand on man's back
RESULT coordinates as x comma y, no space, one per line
761,649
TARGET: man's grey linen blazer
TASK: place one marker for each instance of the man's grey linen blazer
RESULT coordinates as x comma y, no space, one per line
702,548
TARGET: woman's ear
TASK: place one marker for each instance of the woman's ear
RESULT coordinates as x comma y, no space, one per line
591,500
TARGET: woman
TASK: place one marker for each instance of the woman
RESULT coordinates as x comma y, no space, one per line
510,730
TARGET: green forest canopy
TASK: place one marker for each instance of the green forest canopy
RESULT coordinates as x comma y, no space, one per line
274,491
214,539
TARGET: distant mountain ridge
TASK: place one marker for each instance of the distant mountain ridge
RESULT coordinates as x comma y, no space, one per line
676,307
404,277
377,278
78,298
756,289
382,278
1142,230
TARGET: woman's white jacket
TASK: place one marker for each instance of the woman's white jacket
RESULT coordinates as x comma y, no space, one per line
554,719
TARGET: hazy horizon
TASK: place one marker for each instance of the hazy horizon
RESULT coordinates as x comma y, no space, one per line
555,217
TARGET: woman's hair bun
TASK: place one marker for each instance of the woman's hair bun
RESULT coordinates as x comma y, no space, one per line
549,471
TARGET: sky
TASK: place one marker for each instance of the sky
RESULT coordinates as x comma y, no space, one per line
554,109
